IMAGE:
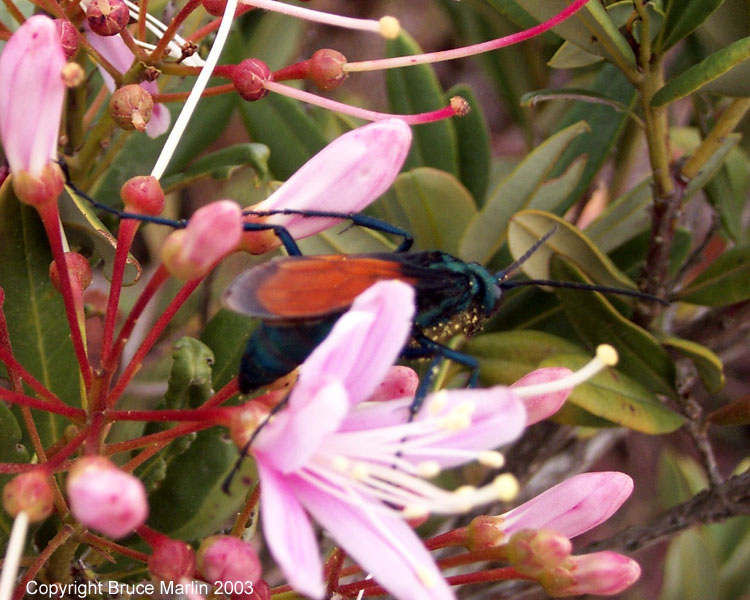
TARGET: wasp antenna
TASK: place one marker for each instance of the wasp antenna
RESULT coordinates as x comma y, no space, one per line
501,275
585,287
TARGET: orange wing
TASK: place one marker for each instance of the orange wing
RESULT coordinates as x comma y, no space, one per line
301,287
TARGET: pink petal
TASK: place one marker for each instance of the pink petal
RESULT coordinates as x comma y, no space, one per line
296,433
346,176
363,344
574,506
31,95
541,407
160,116
384,546
288,532
399,382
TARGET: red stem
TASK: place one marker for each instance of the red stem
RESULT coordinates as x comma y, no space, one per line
162,436
59,409
51,221
199,34
150,340
174,24
57,541
110,546
15,368
212,416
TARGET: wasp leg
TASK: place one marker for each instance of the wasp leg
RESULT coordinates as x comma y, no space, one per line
431,349
357,219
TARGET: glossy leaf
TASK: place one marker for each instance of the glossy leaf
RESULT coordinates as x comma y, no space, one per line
712,164
487,230
726,281
507,356
619,399
190,504
38,328
221,164
597,322
432,205
414,90
528,226
226,334
570,56
683,17
83,226
623,218
473,136
727,191
707,70
553,191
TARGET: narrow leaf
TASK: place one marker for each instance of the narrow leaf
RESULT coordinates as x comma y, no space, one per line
726,281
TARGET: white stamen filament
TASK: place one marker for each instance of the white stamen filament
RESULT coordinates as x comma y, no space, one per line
606,356
387,27
195,94
13,555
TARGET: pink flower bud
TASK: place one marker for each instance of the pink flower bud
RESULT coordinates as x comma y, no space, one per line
29,492
345,176
399,382
228,559
212,232
533,552
143,195
171,560
79,269
244,421
31,102
545,405
601,573
573,506
68,37
105,498
248,77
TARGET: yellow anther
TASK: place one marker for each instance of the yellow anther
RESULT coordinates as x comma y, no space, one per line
389,27
607,354
360,471
341,463
506,487
414,511
428,468
491,458
437,403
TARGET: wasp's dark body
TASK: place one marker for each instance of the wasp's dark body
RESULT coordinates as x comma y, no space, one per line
300,298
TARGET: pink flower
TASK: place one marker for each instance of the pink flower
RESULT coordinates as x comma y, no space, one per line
345,176
544,405
113,49
212,232
359,469
601,573
31,103
105,498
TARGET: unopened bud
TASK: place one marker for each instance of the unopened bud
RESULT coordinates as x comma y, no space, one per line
72,74
215,8
107,17
68,37
245,420
600,574
532,552
460,106
172,560
37,190
79,271
248,77
143,195
485,532
29,492
327,69
131,106
106,498
228,559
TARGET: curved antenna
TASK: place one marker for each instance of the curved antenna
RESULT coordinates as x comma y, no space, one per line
501,275
585,287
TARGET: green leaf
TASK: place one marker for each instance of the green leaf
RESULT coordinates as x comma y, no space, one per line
507,356
570,56
226,334
617,398
280,123
38,328
683,17
189,383
527,227
727,192
432,205
190,504
712,164
623,219
221,164
579,95
725,282
553,191
473,138
597,322
414,90
84,228
709,69
486,232
591,29
690,569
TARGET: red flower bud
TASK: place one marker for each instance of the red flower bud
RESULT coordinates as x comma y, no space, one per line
143,195
78,268
29,492
327,69
248,78
171,560
68,37
228,559
107,17
131,106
